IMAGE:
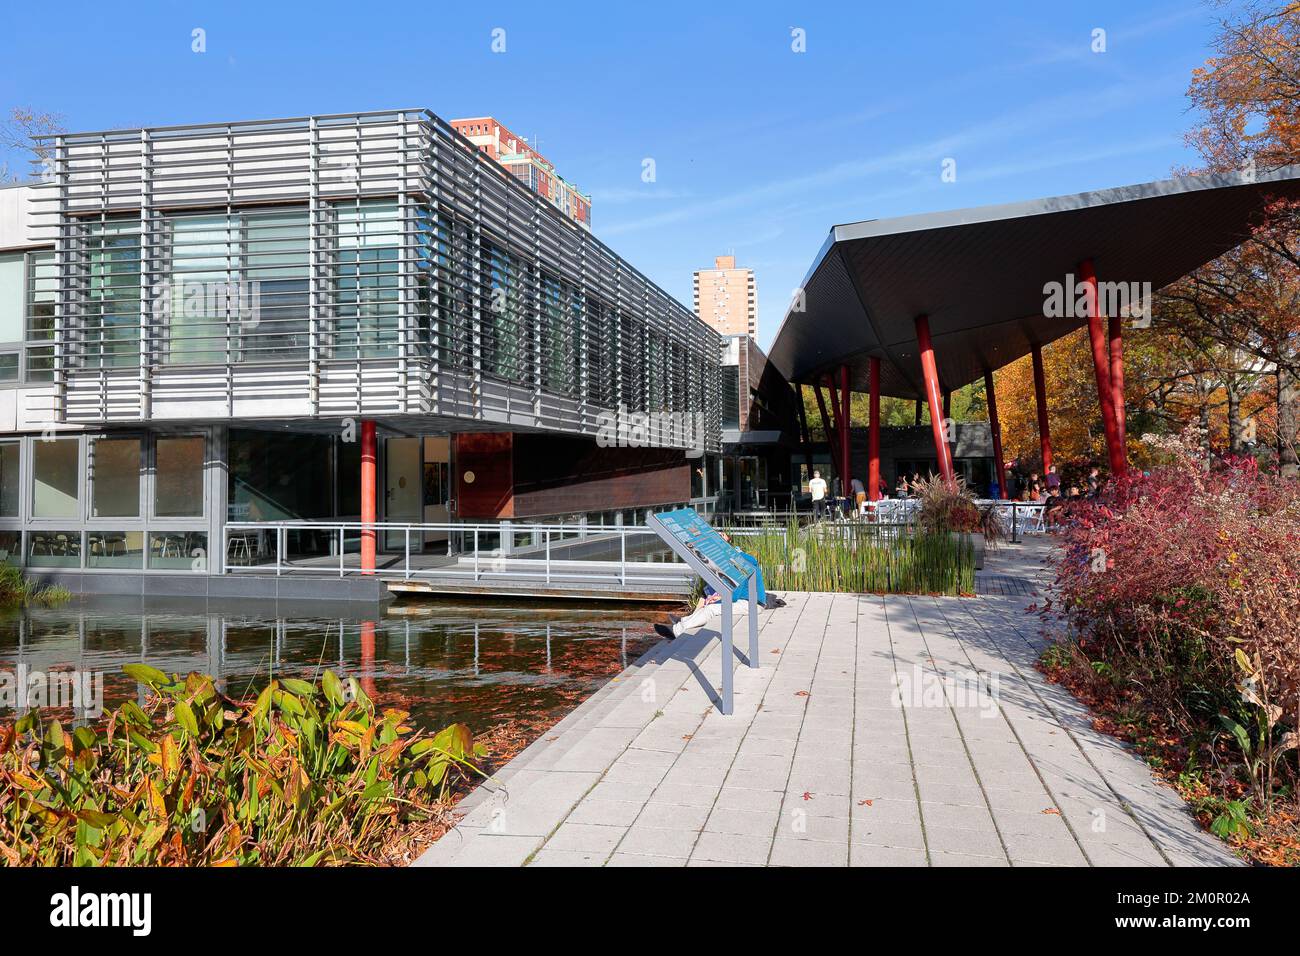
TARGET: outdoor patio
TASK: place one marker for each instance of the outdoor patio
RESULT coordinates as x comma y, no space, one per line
983,764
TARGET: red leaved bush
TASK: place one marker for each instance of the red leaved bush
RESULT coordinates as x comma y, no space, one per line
1190,578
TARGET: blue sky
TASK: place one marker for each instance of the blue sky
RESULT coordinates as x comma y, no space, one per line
757,149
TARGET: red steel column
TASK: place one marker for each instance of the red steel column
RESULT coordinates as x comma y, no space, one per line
845,422
369,491
1117,379
1040,400
1000,468
873,433
930,372
1101,368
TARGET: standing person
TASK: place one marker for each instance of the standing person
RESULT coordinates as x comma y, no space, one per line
901,489
817,488
859,494
1053,480
995,490
1094,482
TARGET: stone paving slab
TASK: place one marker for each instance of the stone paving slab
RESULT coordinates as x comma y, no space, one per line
877,731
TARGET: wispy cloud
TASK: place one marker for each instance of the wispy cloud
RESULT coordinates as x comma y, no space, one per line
1035,117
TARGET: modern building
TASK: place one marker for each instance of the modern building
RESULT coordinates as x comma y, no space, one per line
727,297
527,165
355,316
760,430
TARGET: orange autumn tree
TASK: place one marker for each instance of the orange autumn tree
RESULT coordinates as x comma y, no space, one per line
1248,301
1155,380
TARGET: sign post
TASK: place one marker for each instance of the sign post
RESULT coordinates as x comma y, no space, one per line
722,568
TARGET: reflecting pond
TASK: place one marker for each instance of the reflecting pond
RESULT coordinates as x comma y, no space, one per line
445,661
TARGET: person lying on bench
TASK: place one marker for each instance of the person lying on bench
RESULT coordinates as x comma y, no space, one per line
710,605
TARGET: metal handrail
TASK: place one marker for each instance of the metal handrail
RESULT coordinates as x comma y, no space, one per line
537,561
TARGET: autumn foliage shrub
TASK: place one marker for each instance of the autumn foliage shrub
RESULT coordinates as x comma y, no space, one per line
1187,581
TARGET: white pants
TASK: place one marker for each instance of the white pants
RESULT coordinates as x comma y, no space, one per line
703,615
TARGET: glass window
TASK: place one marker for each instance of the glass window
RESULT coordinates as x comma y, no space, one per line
12,266
55,478
115,549
54,549
115,478
11,547
178,477
274,476
178,551
42,293
112,322
273,310
10,457
199,248
368,240
8,366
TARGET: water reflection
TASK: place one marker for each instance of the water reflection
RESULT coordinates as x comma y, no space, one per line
444,662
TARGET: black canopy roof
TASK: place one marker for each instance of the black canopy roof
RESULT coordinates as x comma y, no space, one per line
979,273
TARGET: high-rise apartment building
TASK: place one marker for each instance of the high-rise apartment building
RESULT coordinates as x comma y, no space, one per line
527,165
727,298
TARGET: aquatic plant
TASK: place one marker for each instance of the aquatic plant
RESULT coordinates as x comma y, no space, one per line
859,558
307,774
17,590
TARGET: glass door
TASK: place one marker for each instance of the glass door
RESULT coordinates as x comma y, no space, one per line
403,492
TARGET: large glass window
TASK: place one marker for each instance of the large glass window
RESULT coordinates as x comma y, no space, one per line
115,478
560,306
178,477
178,550
55,478
274,476
42,294
111,334
54,549
11,546
273,307
199,251
115,549
12,299
10,464
501,317
368,241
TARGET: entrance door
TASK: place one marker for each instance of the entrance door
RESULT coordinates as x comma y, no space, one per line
437,486
402,490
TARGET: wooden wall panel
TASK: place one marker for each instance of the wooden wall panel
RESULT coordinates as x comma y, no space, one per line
488,455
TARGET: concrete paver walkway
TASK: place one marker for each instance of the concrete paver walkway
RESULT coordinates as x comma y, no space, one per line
899,731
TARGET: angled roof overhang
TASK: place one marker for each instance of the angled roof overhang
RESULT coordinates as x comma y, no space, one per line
979,274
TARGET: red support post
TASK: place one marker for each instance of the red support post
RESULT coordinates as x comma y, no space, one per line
930,373
369,495
873,433
1040,401
846,434
1117,379
1101,369
999,466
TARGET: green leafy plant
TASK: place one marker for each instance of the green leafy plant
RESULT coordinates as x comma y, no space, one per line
306,774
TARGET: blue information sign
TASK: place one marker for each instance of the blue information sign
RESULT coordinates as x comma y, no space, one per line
723,568
706,545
